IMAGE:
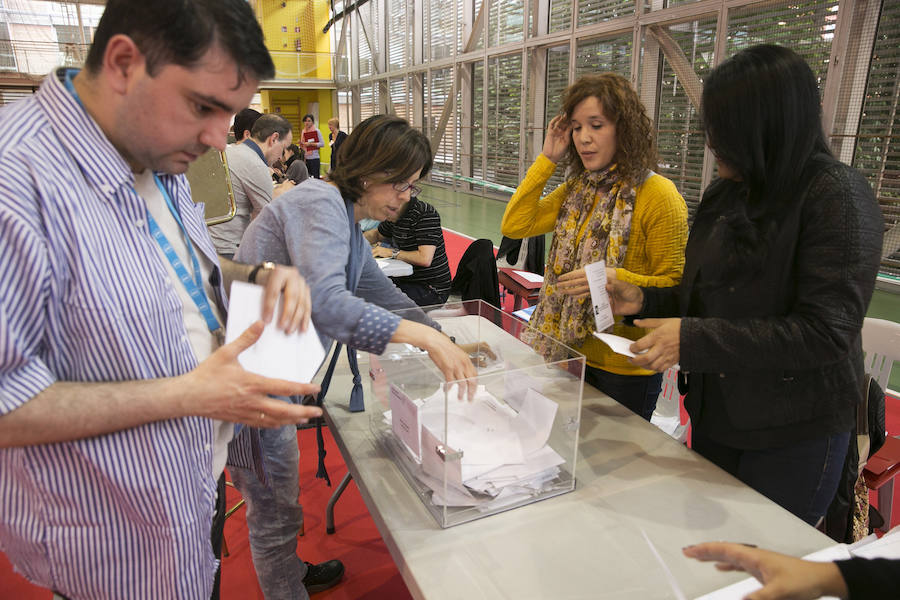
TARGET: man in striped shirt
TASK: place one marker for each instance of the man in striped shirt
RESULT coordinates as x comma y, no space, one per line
417,238
117,398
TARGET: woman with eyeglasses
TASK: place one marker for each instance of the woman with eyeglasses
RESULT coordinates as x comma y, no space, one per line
314,226
415,236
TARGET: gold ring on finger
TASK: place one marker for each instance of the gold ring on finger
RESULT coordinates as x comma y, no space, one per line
262,416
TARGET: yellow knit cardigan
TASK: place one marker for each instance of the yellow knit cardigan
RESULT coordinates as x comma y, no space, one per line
655,255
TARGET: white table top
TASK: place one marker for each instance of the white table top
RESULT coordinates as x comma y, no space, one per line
394,267
636,486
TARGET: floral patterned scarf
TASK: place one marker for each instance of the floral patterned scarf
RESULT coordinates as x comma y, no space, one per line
594,224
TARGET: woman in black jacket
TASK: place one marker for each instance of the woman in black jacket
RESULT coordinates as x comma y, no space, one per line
779,270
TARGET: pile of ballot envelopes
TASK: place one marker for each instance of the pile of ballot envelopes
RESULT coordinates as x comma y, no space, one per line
488,452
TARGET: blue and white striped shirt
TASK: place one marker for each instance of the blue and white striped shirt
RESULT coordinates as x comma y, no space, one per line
85,296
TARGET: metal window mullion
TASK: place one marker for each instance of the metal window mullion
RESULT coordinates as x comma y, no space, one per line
709,160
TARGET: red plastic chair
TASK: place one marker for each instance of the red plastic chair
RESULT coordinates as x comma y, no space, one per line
881,344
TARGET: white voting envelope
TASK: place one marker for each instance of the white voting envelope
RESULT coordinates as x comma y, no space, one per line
294,357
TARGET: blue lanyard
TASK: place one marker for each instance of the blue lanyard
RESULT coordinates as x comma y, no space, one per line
67,81
193,285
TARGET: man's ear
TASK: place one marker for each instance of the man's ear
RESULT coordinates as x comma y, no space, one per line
120,61
272,139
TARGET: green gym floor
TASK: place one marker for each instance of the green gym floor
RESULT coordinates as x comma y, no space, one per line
479,217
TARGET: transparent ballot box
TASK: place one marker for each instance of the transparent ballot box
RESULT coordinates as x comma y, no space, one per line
511,443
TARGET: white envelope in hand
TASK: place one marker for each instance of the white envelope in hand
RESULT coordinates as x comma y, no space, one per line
294,357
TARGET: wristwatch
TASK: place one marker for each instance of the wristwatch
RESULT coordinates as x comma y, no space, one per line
395,253
265,266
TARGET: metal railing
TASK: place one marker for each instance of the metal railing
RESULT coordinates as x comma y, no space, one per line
303,65
39,58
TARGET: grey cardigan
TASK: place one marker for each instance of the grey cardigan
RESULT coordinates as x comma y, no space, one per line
312,227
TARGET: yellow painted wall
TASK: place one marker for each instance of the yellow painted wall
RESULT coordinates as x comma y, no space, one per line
297,26
303,21
293,104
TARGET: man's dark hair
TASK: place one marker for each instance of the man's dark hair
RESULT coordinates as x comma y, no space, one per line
244,121
181,31
268,124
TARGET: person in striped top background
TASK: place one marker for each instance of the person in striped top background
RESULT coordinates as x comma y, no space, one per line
117,397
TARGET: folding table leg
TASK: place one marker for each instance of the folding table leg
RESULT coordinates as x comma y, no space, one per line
329,510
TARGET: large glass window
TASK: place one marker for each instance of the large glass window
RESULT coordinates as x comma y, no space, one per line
503,119
607,54
525,52
680,138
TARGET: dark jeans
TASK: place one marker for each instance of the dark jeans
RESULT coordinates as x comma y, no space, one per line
421,293
802,478
313,166
638,393
218,532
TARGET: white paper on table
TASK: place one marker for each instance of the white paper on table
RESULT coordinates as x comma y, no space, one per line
535,462
888,546
516,386
449,497
435,466
480,428
531,277
739,590
534,421
506,497
596,276
294,357
405,419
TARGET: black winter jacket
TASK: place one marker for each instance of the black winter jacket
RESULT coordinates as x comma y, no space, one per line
778,351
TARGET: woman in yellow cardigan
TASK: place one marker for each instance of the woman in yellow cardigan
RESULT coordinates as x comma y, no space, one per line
613,208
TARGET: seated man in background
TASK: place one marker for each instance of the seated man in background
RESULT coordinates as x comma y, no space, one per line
414,229
243,124
251,179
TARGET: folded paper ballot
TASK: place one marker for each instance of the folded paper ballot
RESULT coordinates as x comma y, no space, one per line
275,354
619,344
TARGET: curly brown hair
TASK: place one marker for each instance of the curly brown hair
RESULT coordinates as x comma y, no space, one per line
635,142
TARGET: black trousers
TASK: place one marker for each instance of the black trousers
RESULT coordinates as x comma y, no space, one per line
421,293
313,166
217,533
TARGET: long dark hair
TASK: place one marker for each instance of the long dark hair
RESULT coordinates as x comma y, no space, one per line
761,113
381,149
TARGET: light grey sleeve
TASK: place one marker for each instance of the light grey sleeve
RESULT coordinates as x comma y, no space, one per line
377,288
317,237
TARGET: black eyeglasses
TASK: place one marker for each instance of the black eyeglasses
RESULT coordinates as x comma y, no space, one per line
402,186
